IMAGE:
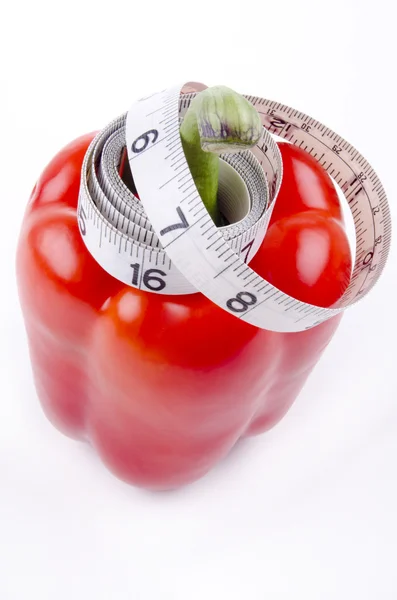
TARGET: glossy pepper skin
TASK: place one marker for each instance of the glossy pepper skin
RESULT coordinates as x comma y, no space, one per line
164,386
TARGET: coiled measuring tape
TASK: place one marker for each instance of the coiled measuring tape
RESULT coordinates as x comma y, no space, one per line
166,242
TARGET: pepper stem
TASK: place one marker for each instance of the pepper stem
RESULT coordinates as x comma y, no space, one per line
218,120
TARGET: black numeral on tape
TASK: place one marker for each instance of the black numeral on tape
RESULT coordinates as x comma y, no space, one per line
241,302
248,248
151,278
143,141
277,123
183,224
367,258
81,219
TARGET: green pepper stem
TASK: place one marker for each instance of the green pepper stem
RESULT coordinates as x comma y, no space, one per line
218,120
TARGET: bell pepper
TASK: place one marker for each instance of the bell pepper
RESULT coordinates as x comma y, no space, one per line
164,386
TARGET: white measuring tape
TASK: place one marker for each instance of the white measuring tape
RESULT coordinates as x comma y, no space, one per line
167,243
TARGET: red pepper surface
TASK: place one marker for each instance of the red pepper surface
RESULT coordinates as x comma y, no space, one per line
164,386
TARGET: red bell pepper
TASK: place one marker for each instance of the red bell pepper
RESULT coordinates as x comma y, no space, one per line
164,386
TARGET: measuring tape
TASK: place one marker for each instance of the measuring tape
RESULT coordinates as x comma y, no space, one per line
166,242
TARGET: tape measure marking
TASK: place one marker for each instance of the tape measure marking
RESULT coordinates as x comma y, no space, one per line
171,227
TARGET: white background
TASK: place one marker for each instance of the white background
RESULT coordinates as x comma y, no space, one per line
307,511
